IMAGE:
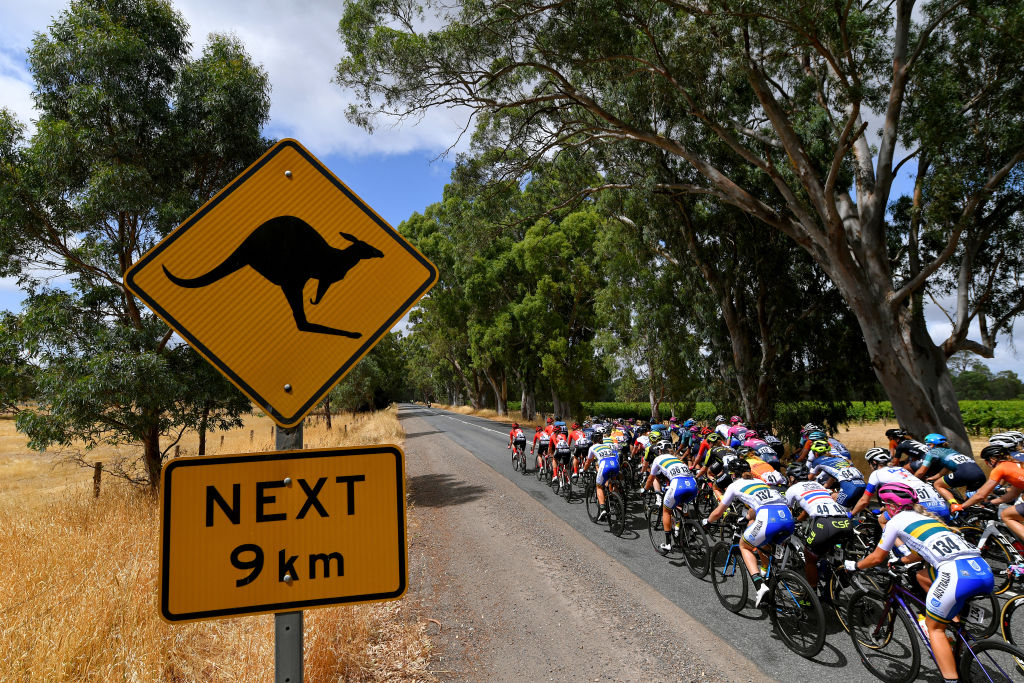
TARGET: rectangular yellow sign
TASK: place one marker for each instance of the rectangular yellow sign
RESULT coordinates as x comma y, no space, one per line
281,531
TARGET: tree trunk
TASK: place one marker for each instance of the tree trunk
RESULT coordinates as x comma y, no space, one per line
327,410
151,456
202,429
499,399
655,401
528,408
910,367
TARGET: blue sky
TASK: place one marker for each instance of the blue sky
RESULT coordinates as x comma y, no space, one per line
396,170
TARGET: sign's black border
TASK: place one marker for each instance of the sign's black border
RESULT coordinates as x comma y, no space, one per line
371,341
165,532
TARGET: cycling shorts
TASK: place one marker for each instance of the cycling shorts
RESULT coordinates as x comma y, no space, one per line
772,523
1019,507
953,583
520,443
939,508
850,492
825,532
968,475
680,490
562,457
606,469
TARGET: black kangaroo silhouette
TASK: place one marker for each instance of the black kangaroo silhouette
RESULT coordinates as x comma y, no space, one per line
289,252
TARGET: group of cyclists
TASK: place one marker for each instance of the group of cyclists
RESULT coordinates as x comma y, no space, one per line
913,489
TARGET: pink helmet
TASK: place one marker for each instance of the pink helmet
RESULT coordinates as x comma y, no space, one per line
751,434
897,494
735,419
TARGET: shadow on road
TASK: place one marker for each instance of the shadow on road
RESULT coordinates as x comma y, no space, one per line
440,490
413,435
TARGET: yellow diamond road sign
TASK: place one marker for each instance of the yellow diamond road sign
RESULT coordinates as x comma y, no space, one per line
281,532
283,281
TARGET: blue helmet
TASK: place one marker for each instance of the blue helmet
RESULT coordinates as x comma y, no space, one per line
689,423
935,440
817,435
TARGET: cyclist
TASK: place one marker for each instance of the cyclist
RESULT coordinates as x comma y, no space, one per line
1004,471
516,438
715,463
963,471
737,430
763,450
607,458
550,426
1010,442
837,473
957,571
681,488
882,472
836,447
829,523
759,468
721,427
770,521
770,438
541,443
581,442
902,446
560,449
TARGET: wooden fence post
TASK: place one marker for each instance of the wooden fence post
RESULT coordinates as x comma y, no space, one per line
97,470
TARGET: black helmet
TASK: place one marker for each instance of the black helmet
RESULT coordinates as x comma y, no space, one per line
797,470
994,452
896,434
739,466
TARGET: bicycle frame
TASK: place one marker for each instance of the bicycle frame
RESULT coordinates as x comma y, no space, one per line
992,529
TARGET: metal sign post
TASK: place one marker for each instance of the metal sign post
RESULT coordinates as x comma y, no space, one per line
288,625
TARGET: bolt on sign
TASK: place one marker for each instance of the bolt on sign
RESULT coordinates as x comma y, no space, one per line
280,532
283,281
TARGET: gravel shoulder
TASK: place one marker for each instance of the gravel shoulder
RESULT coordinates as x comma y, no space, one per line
511,592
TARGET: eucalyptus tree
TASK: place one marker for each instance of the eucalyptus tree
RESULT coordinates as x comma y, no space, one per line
819,101
133,135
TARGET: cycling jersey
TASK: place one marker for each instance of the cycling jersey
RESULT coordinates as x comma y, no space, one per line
958,571
542,439
1010,471
836,450
814,499
736,434
561,444
670,466
910,449
723,429
927,496
601,450
839,469
949,458
963,470
517,436
765,472
753,493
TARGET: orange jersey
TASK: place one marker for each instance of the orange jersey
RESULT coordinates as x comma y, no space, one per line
759,467
1010,471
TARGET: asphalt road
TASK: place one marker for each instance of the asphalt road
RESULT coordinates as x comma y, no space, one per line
750,631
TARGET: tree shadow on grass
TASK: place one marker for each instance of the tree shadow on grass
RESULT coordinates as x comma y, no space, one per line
441,490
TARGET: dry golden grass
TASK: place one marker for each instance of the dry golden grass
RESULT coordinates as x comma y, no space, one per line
79,598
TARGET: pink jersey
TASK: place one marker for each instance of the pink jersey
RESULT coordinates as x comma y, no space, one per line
737,430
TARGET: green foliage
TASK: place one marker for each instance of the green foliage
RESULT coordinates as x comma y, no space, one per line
132,137
375,382
979,383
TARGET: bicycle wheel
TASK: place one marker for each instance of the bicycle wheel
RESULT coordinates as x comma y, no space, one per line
1011,621
695,548
566,483
885,639
992,661
995,553
796,613
590,498
706,502
540,470
616,512
980,616
515,459
729,576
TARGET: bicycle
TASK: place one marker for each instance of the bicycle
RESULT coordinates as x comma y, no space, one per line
613,500
983,529
565,481
519,456
688,537
544,468
793,607
886,631
1011,619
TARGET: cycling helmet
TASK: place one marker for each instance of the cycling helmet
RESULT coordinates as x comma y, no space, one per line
557,419
744,451
515,425
810,427
897,494
751,434
1004,440
713,437
878,456
797,470
557,430
816,435
934,439
538,428
719,418
608,440
994,452
704,431
739,466
1018,436
735,419
689,423
820,446
673,419
895,434
551,420
655,435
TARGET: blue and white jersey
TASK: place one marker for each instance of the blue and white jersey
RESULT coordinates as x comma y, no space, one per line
814,499
839,469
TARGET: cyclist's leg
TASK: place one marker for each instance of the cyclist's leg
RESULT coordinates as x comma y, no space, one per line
1013,516
954,583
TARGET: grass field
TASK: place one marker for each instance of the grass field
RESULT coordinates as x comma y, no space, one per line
79,594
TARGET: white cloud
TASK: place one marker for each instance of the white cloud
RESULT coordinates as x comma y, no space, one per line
297,43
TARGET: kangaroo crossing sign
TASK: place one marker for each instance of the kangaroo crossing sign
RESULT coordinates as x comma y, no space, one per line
283,281
284,531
